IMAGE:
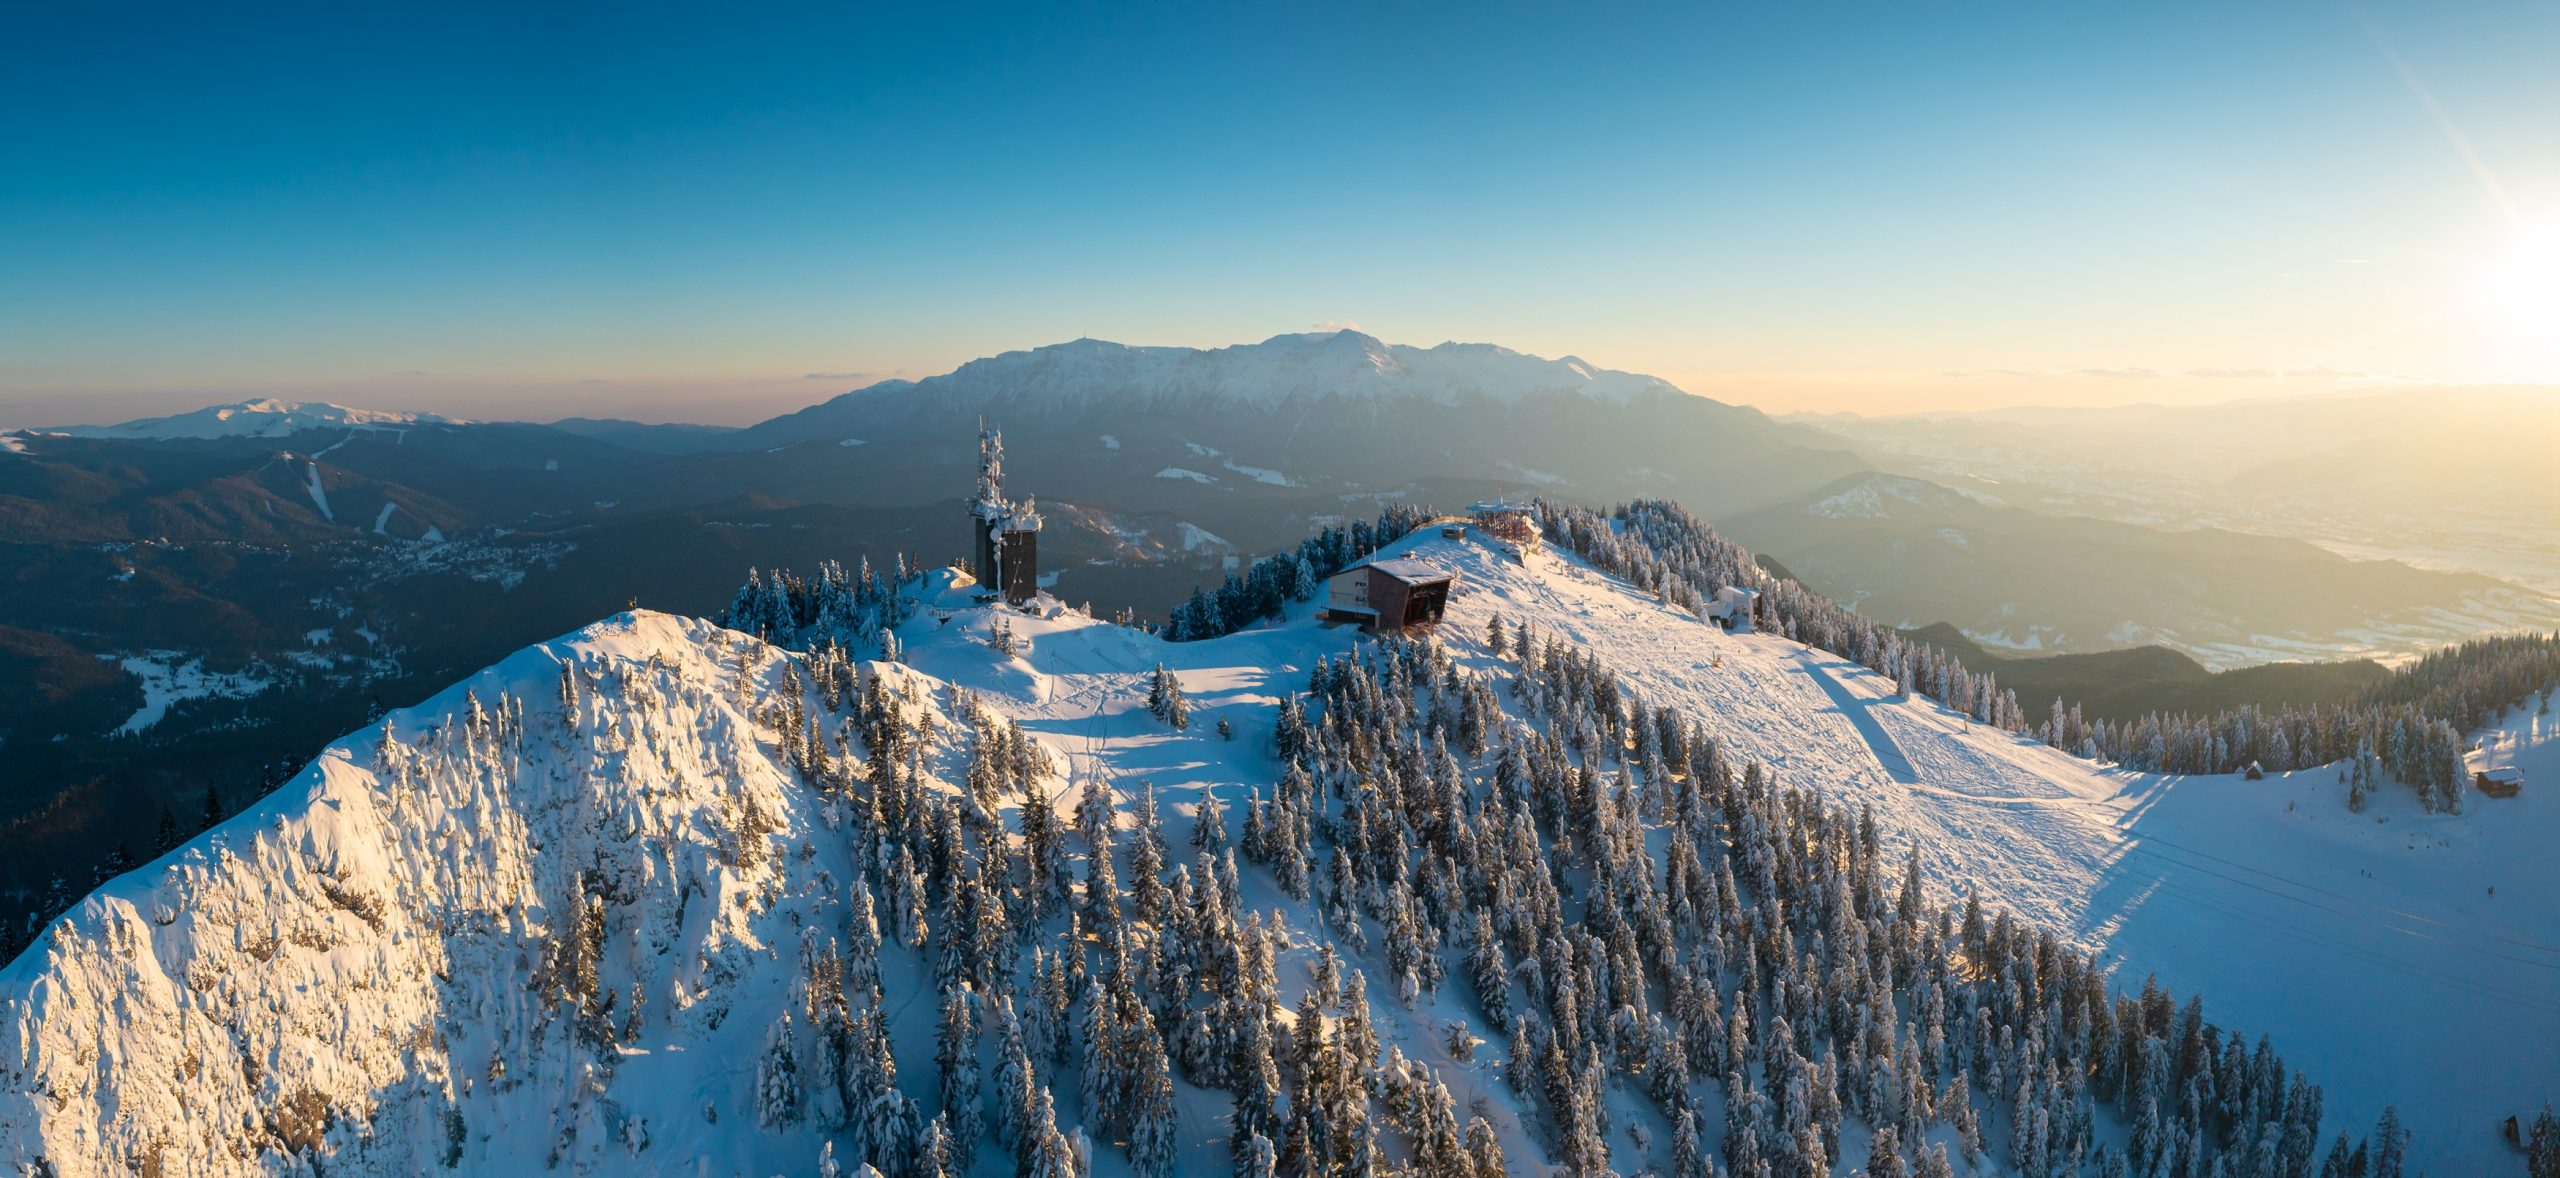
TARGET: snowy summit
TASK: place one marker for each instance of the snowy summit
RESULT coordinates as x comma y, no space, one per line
265,417
1343,363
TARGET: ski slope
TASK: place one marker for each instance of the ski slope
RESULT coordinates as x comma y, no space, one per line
2370,947
367,934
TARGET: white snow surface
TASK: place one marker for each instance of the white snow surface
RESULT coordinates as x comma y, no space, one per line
1313,364
171,677
1261,474
366,933
1196,538
265,417
319,494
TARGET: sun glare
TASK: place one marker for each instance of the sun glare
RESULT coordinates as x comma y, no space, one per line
2524,287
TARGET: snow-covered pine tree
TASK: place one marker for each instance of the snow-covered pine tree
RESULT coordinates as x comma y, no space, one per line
2542,1147
1152,1138
956,1061
1017,1090
778,1077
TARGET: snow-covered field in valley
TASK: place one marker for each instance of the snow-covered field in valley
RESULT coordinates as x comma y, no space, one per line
172,677
564,912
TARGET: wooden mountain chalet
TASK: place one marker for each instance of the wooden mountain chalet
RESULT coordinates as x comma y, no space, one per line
2506,781
1385,596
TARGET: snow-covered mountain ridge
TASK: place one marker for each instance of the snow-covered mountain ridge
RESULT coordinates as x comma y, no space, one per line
266,417
282,973
1342,363
365,967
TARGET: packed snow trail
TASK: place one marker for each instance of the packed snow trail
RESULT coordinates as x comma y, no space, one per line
319,494
1889,756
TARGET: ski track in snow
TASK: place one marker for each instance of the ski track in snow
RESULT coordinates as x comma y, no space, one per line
319,497
2364,945
1889,755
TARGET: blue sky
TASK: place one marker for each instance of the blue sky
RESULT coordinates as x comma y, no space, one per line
686,213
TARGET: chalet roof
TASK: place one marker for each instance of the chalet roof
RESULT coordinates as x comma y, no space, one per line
1411,572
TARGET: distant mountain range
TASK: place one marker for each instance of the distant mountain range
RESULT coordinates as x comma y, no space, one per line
255,578
2446,478
1913,552
263,418
2126,685
1318,366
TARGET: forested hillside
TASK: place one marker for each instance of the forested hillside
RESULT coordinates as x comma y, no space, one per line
2407,727
1465,906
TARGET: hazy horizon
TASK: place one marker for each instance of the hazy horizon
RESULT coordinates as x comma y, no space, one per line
748,400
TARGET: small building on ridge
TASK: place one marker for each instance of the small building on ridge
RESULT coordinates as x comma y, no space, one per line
1512,523
1734,607
1389,595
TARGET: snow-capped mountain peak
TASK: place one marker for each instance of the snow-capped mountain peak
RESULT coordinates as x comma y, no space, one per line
264,417
1296,366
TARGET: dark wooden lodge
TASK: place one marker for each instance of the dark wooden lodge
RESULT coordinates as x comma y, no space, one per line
1389,595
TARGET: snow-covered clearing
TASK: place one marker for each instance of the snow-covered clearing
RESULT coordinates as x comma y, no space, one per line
1199,539
1176,472
172,677
319,495
1259,474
